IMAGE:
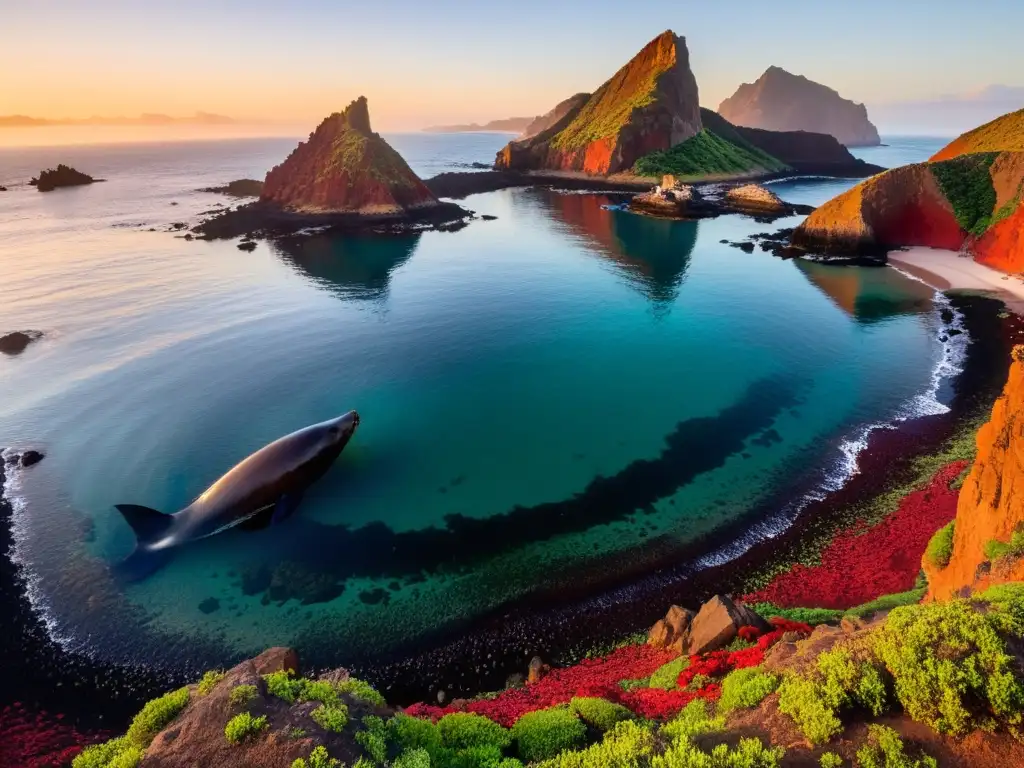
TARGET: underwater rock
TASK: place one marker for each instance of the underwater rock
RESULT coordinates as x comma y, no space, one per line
375,596
291,580
247,245
209,605
30,458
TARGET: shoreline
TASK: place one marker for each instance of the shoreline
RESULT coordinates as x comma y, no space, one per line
567,620
949,271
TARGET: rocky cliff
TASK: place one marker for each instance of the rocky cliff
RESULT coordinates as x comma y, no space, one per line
987,541
345,167
543,122
970,201
650,104
780,101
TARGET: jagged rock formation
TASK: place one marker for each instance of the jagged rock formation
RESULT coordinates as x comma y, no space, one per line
988,533
714,626
541,123
650,104
754,197
780,101
346,168
61,176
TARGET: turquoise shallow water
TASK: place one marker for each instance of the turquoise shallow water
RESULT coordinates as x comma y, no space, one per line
548,399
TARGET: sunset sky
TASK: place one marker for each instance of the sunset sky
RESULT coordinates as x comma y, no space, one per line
457,61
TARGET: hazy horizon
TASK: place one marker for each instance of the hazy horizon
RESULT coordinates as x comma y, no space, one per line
279,71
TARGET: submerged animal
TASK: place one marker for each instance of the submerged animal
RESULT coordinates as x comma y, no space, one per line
263,489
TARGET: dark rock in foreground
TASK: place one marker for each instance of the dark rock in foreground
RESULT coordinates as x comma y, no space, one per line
15,343
61,176
238,188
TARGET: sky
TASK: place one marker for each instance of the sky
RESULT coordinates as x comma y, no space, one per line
423,62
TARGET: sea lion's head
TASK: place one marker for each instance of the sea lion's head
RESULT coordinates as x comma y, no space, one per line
340,430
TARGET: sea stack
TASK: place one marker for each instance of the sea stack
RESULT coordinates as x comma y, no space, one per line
650,104
780,101
345,167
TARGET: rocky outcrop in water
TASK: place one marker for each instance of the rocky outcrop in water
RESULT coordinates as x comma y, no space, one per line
780,101
754,197
650,104
988,533
61,176
17,342
345,167
238,188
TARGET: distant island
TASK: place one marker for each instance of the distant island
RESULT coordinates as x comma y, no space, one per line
61,176
508,125
781,101
199,118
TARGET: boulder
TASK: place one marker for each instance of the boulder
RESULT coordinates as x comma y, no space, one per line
536,670
671,632
717,624
29,458
754,197
15,343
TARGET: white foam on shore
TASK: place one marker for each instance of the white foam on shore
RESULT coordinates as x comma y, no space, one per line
13,494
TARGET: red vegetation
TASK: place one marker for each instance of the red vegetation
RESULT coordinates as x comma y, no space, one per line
39,739
601,678
862,564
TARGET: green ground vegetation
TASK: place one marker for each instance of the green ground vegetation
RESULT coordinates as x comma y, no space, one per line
244,726
940,547
600,713
666,675
967,184
543,734
318,758
706,154
746,688
885,749
209,681
333,717
242,695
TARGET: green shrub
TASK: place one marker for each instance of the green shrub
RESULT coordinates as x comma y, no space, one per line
666,675
632,685
749,753
241,695
967,184
374,738
543,734
362,690
628,745
330,717
997,550
209,681
746,688
116,753
241,727
461,730
319,690
1005,596
951,666
801,700
830,760
297,733
810,616
155,716
600,713
705,154
411,733
888,602
940,547
413,758
482,756
885,749
319,758
284,685
692,721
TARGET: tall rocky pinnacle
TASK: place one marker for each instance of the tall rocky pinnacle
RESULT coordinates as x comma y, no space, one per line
780,101
650,104
345,167
990,513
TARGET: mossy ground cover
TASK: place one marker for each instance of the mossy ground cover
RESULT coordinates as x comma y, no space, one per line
706,154
967,184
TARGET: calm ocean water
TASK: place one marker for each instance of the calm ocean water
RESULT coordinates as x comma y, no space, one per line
541,395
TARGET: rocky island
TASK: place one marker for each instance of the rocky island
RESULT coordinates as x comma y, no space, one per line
969,197
677,200
61,176
345,177
780,101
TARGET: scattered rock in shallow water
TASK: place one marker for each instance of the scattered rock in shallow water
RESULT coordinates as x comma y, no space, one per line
488,217
16,342
61,176
3,189
209,605
745,247
30,458
247,245
238,188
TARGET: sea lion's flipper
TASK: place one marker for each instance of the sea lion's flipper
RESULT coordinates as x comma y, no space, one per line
141,563
286,506
148,524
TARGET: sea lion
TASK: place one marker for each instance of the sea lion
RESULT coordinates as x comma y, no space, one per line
263,489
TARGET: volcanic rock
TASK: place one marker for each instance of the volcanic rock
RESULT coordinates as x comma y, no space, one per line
991,504
30,458
238,188
346,168
672,630
717,624
650,104
61,176
780,101
15,343
755,197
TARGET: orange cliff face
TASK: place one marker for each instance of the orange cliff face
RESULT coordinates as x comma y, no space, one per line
345,167
650,104
991,506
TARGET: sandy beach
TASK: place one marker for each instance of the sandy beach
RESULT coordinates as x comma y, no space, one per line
949,271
